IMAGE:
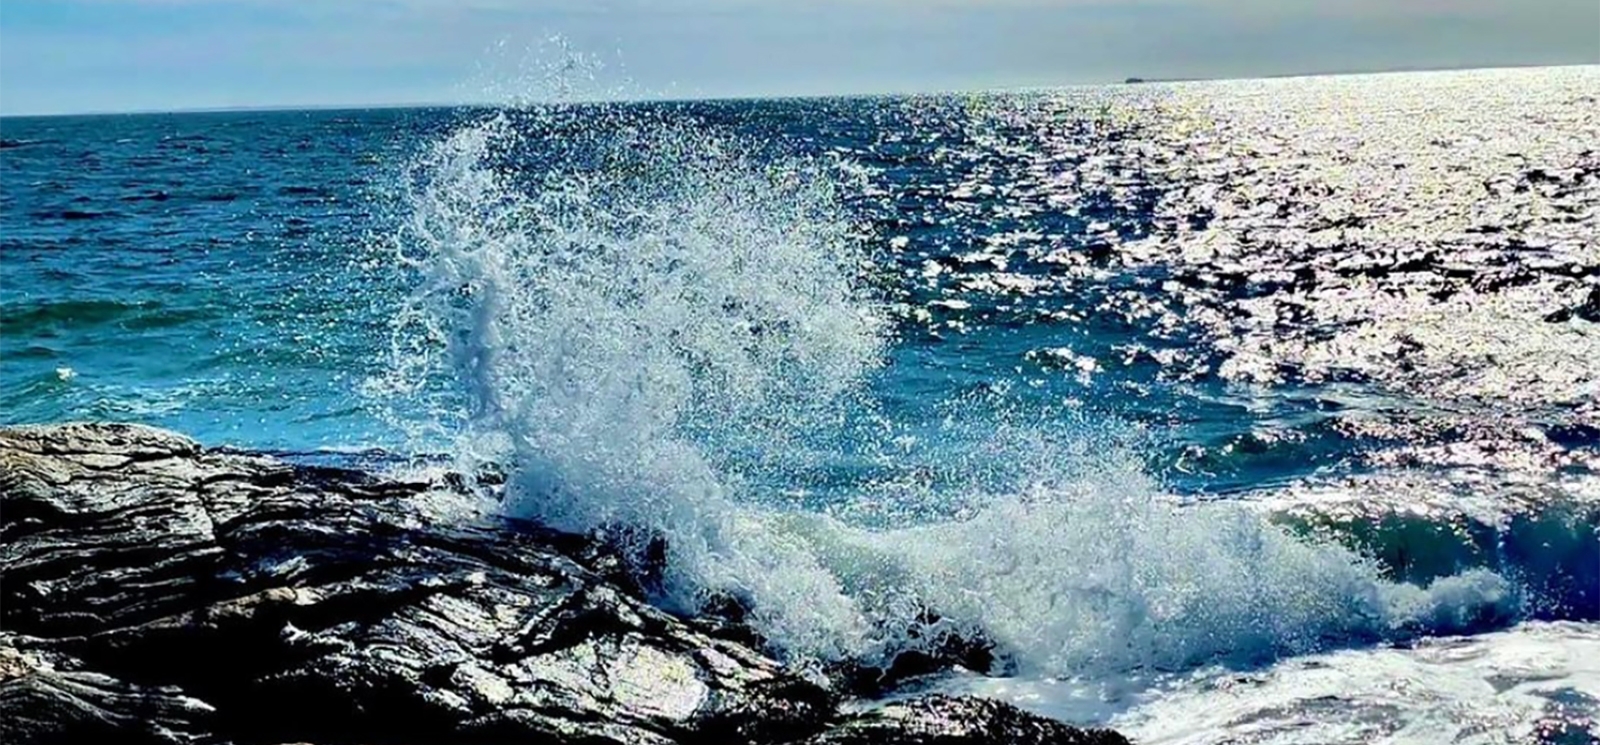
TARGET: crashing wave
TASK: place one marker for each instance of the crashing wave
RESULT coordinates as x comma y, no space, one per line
651,328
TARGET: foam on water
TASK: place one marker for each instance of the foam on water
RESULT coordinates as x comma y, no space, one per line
648,329
1538,682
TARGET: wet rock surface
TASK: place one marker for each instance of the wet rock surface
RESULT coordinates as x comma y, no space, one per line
943,719
155,591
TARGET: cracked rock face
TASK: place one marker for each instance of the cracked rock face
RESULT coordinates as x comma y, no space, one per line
158,592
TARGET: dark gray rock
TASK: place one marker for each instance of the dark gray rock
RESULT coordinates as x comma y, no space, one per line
945,720
44,701
158,592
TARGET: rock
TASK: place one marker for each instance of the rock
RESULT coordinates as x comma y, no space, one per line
936,720
43,704
159,592
931,652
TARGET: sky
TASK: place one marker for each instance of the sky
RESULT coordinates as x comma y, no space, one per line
63,56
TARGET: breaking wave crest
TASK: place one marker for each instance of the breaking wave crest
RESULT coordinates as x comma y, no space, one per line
657,333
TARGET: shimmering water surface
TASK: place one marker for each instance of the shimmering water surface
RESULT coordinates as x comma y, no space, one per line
1149,385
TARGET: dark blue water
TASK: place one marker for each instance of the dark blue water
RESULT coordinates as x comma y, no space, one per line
1376,292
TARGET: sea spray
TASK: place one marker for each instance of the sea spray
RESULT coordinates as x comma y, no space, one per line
1046,536
628,313
648,327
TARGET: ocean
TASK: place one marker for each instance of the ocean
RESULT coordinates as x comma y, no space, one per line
1255,411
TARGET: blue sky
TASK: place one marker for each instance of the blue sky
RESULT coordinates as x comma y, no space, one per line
120,55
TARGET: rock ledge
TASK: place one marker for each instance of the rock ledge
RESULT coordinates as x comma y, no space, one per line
155,591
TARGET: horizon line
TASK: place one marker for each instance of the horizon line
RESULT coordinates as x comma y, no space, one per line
931,92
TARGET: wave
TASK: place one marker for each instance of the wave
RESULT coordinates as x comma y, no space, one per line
661,335
1419,530
23,319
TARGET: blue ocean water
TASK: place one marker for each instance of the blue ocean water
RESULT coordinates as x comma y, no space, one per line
182,270
1128,379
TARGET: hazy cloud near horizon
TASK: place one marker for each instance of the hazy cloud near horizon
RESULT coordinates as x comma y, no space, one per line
96,55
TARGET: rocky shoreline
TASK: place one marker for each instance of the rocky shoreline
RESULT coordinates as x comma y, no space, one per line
155,591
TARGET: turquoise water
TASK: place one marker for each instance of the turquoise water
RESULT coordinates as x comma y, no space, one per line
196,271
854,355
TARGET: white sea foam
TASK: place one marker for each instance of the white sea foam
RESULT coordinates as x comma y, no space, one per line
1538,682
646,327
